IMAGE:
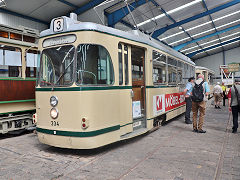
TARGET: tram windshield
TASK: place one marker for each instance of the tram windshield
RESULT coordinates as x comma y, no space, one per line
57,66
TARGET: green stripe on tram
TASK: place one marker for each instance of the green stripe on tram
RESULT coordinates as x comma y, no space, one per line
17,79
79,134
16,101
83,88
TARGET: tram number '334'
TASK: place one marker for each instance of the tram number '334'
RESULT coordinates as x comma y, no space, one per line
54,123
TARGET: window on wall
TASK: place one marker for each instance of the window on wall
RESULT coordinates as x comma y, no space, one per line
120,64
10,61
180,72
94,65
172,71
159,67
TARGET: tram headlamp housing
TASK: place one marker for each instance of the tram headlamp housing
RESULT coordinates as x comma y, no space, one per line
54,113
53,101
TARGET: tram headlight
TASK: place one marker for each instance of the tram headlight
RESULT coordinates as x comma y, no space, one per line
53,101
54,113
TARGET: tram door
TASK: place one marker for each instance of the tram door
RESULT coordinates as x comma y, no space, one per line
138,87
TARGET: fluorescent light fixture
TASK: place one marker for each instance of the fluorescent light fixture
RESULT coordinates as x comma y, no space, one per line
210,41
170,12
200,25
205,32
2,3
231,43
215,44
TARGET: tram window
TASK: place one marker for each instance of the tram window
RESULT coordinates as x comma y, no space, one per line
4,34
180,73
185,76
57,66
172,71
137,57
10,61
159,68
31,63
16,36
120,64
94,65
126,64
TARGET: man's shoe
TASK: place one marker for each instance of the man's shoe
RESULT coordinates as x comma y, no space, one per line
218,107
234,131
201,131
188,122
195,130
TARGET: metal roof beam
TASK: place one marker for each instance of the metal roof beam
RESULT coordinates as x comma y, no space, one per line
205,37
169,16
212,47
114,17
205,6
166,28
127,24
23,16
68,3
88,6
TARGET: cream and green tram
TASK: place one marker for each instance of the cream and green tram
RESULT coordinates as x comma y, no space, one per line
98,85
208,77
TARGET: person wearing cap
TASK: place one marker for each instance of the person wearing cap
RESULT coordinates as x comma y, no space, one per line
217,92
188,100
233,104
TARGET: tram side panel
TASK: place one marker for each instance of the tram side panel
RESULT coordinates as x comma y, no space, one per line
17,103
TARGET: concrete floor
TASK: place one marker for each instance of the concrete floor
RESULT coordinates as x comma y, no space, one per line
173,152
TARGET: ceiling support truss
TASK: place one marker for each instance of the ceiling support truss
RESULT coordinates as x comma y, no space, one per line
178,47
214,46
166,28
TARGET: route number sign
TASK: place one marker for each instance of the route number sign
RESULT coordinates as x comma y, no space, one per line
58,25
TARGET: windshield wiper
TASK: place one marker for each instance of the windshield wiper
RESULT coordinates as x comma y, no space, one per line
64,72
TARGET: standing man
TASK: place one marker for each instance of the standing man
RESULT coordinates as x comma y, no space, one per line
233,104
224,93
199,97
188,92
217,92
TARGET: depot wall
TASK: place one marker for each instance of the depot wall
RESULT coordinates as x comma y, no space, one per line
213,62
15,21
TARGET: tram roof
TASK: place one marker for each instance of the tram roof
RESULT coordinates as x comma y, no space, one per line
71,25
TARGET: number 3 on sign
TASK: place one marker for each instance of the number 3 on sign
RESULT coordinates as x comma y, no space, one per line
58,25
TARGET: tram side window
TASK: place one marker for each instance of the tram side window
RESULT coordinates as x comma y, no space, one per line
192,71
94,65
137,57
210,78
10,61
126,64
159,67
120,64
172,70
180,73
31,63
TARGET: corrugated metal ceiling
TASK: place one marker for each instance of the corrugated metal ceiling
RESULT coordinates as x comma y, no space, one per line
163,14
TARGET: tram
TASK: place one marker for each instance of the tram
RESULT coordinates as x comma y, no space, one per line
209,76
98,85
18,57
